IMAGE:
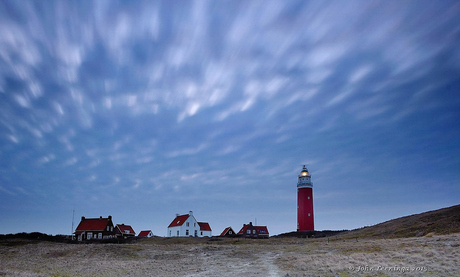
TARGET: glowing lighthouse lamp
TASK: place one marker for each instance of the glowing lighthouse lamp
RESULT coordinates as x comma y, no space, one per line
305,221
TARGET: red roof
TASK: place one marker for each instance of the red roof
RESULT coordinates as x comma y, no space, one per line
243,229
144,233
204,226
226,231
262,230
125,229
179,220
92,224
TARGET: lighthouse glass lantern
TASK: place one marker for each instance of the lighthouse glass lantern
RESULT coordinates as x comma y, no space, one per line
305,220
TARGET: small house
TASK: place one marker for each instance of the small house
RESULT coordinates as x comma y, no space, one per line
228,232
145,234
251,231
124,231
205,229
187,226
95,228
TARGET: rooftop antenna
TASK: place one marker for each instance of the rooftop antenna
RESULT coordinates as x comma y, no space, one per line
73,216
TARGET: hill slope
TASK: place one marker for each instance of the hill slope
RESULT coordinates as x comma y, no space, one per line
440,222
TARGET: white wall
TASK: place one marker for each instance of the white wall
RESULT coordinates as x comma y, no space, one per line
192,227
172,231
205,233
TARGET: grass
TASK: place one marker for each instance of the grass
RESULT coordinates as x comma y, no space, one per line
439,222
379,245
204,257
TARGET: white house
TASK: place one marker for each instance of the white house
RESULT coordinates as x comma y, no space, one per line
145,234
187,226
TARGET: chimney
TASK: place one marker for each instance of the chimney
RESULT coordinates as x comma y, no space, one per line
110,217
100,217
177,215
82,218
190,212
250,223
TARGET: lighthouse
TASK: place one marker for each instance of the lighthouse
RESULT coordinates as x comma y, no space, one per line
305,221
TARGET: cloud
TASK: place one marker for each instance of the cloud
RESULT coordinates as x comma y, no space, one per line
187,151
360,73
145,101
341,96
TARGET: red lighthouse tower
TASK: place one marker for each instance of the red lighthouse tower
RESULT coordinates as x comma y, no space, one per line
305,220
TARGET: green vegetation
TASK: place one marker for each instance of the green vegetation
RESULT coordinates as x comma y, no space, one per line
439,222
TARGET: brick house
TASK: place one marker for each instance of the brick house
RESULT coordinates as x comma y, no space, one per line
251,231
124,231
95,228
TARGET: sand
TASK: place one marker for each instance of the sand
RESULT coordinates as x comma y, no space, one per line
419,256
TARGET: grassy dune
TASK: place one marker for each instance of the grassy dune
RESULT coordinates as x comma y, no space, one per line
420,256
426,244
441,222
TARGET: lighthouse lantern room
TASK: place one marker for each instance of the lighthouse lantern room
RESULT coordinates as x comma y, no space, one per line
305,221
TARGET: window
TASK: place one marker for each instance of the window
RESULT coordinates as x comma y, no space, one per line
99,236
186,232
196,233
169,232
108,228
194,224
177,232
249,232
111,228
254,232
308,197
188,224
89,235
308,214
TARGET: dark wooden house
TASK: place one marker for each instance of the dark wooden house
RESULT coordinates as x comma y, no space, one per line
124,231
228,232
95,228
251,231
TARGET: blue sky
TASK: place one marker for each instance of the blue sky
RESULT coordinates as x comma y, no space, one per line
142,110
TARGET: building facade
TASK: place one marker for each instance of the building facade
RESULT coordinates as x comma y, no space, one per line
95,228
305,218
251,231
187,226
228,232
124,231
145,234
